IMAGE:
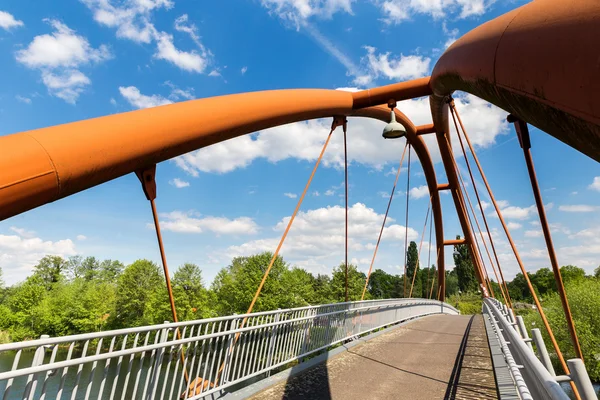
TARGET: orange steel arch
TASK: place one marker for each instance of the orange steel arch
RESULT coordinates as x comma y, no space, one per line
539,62
41,166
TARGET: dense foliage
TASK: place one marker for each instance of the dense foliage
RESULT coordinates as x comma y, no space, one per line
78,295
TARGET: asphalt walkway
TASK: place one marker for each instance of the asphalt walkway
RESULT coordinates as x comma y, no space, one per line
431,358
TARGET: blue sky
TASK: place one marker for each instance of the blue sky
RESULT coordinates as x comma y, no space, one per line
71,60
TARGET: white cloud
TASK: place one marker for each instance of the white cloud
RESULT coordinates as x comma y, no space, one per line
397,11
316,193
138,100
132,19
329,192
578,208
177,93
8,21
81,237
62,48
188,61
18,254
514,225
58,56
67,85
297,11
514,212
316,239
23,99
24,233
290,195
178,183
419,192
402,68
595,185
533,234
383,194
192,222
244,70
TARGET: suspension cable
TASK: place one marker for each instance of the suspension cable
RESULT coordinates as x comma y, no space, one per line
346,206
523,134
429,254
517,256
406,222
506,294
384,219
420,245
337,121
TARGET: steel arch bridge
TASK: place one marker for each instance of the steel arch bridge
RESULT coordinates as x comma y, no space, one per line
510,62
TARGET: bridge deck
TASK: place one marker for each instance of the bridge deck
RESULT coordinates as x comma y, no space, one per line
436,357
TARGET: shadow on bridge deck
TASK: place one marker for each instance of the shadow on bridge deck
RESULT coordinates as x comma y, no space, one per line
431,358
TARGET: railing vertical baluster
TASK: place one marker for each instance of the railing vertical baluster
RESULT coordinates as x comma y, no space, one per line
271,341
215,374
181,350
106,368
48,374
119,364
140,367
229,355
260,345
65,370
247,367
93,371
192,350
168,369
79,371
151,364
158,362
9,383
212,362
38,359
207,359
543,355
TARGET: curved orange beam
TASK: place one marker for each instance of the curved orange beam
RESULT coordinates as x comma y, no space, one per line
538,62
43,165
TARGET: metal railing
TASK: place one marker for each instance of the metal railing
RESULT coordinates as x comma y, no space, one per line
195,358
534,378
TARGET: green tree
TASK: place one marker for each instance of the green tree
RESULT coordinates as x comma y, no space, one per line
191,297
141,296
452,285
382,285
543,281
235,285
518,289
597,272
50,270
356,283
412,261
571,273
465,271
299,288
110,270
322,288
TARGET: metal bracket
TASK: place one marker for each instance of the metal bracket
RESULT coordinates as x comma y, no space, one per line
147,178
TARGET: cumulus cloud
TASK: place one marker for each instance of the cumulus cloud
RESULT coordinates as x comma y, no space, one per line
244,70
419,192
578,208
19,253
387,66
297,11
397,11
514,225
595,185
81,237
23,99
316,239
139,100
132,20
193,222
179,183
59,56
290,195
8,21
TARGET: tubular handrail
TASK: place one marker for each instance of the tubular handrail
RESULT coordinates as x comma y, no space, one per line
518,351
268,340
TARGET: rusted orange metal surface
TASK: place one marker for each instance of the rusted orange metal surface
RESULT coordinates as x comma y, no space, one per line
539,62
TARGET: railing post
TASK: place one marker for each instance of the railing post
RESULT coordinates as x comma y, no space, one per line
229,355
524,333
581,379
271,340
38,359
164,335
542,351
